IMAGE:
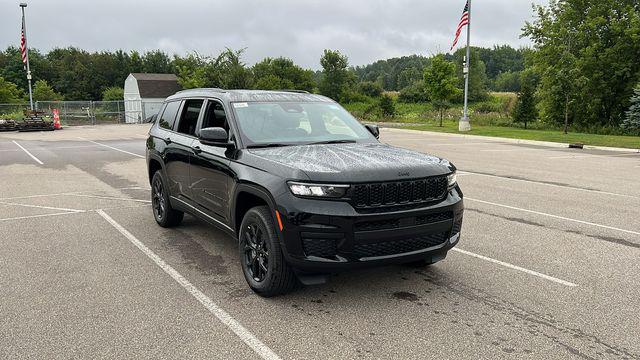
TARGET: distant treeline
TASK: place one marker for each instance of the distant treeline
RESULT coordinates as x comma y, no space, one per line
581,71
76,74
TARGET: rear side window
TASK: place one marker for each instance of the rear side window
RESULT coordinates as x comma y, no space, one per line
169,115
189,118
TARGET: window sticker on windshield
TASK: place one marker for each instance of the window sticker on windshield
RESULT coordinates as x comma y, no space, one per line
240,105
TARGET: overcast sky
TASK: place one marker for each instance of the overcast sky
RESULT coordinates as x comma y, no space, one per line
365,30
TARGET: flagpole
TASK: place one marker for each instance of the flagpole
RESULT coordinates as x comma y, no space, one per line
464,124
26,47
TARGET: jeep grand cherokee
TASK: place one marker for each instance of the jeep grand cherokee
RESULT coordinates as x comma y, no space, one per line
304,187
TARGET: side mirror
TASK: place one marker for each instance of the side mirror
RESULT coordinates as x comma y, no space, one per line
374,130
214,134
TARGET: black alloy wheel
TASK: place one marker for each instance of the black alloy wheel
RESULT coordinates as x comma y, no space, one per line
164,214
263,263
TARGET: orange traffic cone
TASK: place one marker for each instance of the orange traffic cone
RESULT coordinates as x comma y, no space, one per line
56,120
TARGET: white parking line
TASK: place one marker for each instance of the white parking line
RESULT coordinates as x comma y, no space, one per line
110,198
461,172
112,148
245,335
518,268
39,216
69,193
554,216
40,207
28,153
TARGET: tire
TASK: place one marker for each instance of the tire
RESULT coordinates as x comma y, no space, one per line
165,215
261,258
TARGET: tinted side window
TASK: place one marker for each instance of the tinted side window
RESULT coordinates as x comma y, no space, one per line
169,115
189,117
215,116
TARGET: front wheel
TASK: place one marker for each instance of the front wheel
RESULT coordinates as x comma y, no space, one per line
165,215
263,263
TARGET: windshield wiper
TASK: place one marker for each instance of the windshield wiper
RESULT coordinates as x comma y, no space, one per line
270,145
333,142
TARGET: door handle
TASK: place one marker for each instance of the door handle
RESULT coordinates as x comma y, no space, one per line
168,140
196,149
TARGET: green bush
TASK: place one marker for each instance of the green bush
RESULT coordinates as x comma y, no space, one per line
414,93
387,106
370,88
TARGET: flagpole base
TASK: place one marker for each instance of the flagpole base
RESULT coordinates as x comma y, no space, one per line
464,125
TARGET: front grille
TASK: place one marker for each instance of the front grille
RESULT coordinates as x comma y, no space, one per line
323,245
324,248
432,218
377,225
399,246
387,194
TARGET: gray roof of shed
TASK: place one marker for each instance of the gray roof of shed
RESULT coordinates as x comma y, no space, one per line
156,85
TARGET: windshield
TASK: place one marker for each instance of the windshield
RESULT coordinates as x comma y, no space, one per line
287,123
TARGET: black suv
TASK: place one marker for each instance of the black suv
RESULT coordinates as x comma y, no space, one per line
304,187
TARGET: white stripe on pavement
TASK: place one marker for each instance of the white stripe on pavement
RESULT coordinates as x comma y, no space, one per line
28,153
39,216
110,198
548,184
555,216
41,207
518,268
112,148
247,337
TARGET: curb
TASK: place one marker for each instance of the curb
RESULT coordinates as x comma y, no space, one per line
513,141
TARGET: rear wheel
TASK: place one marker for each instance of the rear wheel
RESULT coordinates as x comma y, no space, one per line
165,215
263,263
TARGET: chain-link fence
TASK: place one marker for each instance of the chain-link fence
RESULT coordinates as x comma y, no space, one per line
88,112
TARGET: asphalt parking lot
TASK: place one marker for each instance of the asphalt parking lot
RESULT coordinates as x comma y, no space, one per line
548,265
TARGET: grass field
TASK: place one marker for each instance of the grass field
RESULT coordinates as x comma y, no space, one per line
488,118
632,142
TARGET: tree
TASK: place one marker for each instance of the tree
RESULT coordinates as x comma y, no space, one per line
387,106
156,61
9,92
113,93
507,81
336,78
43,92
281,73
525,110
414,93
631,122
440,82
478,81
587,55
370,88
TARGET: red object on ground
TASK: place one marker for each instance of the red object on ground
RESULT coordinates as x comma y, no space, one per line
56,119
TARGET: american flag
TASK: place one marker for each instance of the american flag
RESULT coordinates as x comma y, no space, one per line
464,21
23,45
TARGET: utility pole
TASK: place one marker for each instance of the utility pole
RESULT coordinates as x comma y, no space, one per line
26,47
464,124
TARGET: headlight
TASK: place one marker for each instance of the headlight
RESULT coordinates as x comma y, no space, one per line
317,190
452,180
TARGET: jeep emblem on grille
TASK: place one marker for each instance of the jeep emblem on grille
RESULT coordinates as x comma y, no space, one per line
403,174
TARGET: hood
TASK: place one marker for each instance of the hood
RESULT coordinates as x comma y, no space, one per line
346,163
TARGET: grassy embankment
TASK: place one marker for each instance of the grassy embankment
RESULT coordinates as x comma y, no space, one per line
488,118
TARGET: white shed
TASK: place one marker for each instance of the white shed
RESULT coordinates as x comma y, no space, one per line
144,94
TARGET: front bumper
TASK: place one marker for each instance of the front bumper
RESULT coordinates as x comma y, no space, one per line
331,236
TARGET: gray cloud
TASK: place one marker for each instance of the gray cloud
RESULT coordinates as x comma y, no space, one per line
365,30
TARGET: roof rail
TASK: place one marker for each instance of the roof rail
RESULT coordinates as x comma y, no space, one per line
296,91
202,89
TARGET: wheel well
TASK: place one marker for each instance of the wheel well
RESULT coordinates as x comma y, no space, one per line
154,165
244,202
